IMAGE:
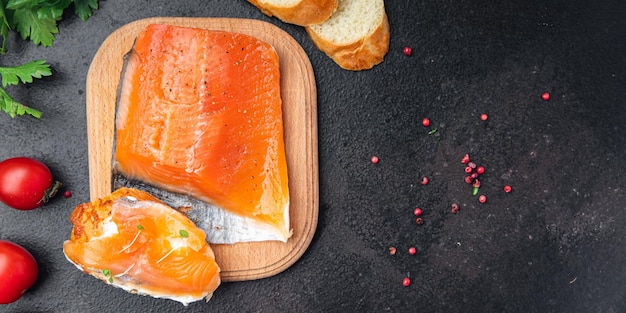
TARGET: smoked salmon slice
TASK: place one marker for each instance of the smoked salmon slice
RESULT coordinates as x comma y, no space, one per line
199,115
134,241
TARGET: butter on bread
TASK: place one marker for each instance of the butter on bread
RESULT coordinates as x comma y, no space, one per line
356,36
298,12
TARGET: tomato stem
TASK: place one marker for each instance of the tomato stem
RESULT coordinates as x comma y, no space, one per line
51,192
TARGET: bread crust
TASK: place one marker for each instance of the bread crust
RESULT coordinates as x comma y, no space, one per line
87,217
362,54
306,12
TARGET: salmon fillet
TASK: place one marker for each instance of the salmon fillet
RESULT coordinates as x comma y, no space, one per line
132,240
200,115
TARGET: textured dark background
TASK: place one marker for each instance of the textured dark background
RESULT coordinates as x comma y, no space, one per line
555,244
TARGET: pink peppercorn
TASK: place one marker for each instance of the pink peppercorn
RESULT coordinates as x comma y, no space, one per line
392,250
67,194
426,122
482,199
407,51
468,169
375,160
545,96
472,165
417,212
425,180
465,159
412,251
507,188
419,221
469,179
480,170
454,208
406,282
484,117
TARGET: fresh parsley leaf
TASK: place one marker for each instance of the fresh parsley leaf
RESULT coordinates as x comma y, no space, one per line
50,13
4,26
21,4
24,74
84,8
30,25
183,233
14,108
37,19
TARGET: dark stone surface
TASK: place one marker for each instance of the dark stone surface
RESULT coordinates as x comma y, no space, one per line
555,244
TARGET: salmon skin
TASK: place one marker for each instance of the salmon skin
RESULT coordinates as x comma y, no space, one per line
199,123
134,241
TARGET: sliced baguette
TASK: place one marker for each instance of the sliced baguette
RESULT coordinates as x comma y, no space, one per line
298,12
356,36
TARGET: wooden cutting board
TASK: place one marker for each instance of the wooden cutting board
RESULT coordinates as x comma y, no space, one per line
243,261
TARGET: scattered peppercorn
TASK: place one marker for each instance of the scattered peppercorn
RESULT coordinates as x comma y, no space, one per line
482,199
375,160
507,188
392,250
468,169
425,180
412,251
476,183
480,170
419,221
472,165
484,117
426,122
67,194
406,282
465,159
454,208
417,212
469,179
408,51
545,96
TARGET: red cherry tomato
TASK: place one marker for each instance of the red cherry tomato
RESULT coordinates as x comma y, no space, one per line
26,183
18,271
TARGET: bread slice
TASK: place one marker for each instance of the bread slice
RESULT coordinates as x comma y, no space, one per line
356,36
298,12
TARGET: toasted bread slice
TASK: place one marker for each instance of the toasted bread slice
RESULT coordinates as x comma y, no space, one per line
356,36
298,12
132,240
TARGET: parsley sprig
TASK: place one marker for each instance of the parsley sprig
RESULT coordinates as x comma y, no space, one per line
25,74
37,19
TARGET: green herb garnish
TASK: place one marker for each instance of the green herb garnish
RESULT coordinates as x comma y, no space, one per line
140,227
37,19
474,191
432,131
183,233
25,74
107,273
